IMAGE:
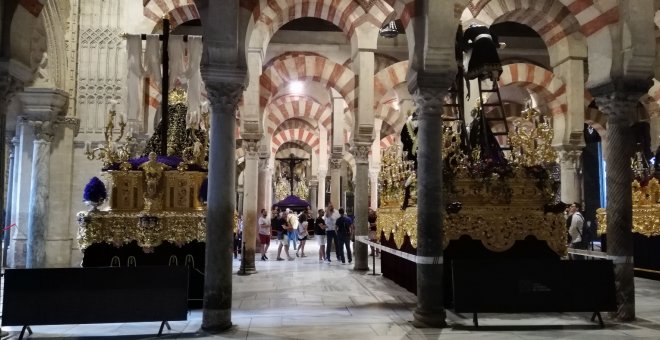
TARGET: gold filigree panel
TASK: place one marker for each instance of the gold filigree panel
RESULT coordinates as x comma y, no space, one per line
645,210
119,228
497,227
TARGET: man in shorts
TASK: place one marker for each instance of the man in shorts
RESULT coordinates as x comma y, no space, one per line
264,233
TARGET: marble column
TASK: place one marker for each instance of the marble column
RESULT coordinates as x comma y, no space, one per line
571,184
313,194
39,194
620,110
250,207
335,182
361,224
323,173
224,96
11,146
429,99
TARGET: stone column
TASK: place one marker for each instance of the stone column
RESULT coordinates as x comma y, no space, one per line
250,208
654,121
39,189
240,192
264,185
373,178
429,97
313,194
323,173
571,184
335,181
9,201
225,88
620,109
361,152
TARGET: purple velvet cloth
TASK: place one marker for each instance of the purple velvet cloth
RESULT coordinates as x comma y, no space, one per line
292,201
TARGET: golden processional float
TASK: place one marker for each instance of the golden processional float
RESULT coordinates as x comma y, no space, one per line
152,199
494,206
645,217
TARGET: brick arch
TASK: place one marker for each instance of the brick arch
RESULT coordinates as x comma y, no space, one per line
295,123
288,107
560,15
388,141
180,11
537,80
549,18
312,68
290,54
389,78
302,135
269,16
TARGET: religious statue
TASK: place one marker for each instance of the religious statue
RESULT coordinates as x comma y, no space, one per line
482,139
409,141
153,172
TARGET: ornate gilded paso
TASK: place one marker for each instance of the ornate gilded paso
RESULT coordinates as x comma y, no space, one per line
645,210
148,230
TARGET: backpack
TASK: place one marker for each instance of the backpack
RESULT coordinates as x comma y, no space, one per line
587,231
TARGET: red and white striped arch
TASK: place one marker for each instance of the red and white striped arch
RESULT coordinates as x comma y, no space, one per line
295,123
269,16
287,107
553,19
180,11
301,134
388,78
388,141
537,80
304,68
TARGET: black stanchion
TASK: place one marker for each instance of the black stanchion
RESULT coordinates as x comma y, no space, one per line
373,262
241,271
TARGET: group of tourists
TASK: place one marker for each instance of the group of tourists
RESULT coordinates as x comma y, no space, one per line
330,227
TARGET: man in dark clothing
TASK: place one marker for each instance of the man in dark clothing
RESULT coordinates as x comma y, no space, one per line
344,229
481,60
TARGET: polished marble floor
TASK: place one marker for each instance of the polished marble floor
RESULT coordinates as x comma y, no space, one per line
307,299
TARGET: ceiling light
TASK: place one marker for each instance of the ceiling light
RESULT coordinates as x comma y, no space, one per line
389,30
296,86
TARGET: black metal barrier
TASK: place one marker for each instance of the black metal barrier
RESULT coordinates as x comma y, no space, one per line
52,296
519,286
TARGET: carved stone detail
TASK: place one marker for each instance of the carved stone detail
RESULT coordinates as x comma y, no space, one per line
619,106
251,148
43,130
335,163
361,153
72,122
429,100
226,96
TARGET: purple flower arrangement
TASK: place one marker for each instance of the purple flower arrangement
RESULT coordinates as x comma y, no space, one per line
95,191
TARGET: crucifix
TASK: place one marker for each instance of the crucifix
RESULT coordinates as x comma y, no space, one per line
165,82
292,161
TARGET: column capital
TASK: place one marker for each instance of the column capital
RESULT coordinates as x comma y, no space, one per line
361,152
619,97
42,104
429,101
43,130
251,147
313,183
569,156
225,86
335,163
